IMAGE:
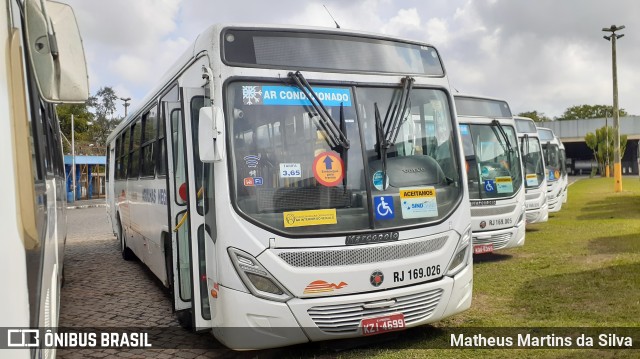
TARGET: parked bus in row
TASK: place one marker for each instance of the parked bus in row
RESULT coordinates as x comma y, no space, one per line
294,184
564,174
553,170
36,75
535,180
494,171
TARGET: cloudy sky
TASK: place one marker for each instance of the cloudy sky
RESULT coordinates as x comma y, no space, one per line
543,55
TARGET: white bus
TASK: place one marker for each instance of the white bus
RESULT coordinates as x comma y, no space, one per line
564,174
553,161
43,64
294,184
535,180
494,171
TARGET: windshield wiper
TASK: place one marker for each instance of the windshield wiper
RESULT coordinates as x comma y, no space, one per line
397,111
503,134
343,150
334,136
387,131
383,144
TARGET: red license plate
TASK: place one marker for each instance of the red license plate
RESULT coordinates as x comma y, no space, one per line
378,325
483,248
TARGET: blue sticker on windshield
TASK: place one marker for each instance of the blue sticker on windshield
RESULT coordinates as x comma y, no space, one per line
489,186
384,207
464,129
293,96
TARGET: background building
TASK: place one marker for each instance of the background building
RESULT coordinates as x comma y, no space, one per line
580,157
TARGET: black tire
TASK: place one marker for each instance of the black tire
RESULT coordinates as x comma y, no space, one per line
127,253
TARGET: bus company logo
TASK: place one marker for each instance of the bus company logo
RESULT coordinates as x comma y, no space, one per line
320,286
483,224
376,278
414,170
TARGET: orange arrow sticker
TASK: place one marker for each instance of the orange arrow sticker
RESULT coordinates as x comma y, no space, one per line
328,169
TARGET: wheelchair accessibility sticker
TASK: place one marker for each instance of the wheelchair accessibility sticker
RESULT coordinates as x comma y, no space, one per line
384,207
489,186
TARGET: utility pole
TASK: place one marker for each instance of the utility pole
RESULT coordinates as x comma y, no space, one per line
606,127
126,104
73,158
617,165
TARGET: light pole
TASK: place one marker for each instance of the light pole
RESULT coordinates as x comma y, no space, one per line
126,104
617,166
73,158
606,127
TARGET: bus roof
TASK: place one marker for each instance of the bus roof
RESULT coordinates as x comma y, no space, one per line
211,35
481,106
525,125
546,134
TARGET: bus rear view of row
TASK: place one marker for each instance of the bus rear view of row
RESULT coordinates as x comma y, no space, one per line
293,184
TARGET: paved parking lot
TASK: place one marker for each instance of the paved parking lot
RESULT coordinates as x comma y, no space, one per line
102,290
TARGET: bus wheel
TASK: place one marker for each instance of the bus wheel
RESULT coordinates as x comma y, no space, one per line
127,254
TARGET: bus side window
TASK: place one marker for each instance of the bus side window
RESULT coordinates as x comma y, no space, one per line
124,152
116,169
160,156
149,130
134,159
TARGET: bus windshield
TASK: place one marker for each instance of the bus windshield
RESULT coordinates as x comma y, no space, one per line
552,157
532,160
493,165
289,177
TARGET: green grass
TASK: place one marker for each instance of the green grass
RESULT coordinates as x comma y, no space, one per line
579,269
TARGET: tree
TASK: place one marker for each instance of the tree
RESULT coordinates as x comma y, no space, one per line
602,145
590,111
91,127
81,120
104,105
535,116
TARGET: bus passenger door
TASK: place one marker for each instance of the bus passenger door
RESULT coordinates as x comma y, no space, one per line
176,243
201,209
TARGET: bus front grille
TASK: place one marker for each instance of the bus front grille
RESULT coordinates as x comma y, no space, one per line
498,240
361,254
532,196
346,318
491,211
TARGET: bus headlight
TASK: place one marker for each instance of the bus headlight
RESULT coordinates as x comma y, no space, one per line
256,278
460,258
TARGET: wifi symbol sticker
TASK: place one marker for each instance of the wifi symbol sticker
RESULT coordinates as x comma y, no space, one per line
252,161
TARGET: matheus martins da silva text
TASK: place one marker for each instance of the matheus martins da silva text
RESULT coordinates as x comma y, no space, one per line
542,341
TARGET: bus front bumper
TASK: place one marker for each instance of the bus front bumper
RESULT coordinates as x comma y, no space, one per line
538,215
260,324
501,238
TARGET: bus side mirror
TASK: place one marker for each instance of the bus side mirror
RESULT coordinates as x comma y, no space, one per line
56,50
211,134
